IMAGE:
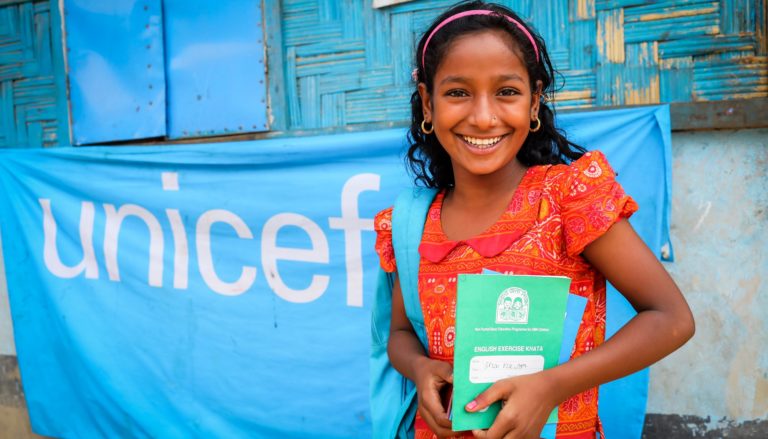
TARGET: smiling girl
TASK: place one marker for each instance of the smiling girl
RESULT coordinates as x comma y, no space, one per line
515,196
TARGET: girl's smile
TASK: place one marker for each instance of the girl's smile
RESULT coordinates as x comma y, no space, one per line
483,144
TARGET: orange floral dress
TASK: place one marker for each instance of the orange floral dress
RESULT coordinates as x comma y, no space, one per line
556,211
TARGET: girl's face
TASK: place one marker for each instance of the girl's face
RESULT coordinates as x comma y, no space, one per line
481,105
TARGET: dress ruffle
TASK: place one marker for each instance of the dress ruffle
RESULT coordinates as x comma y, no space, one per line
382,224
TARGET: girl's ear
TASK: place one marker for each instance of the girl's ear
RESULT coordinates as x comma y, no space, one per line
536,99
426,102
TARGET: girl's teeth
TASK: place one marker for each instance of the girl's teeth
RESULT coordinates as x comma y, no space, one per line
481,142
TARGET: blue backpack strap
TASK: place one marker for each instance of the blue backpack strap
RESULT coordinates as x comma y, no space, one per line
393,402
387,385
408,218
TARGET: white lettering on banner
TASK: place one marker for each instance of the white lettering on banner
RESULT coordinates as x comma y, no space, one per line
353,225
349,222
270,253
112,233
181,250
205,259
51,252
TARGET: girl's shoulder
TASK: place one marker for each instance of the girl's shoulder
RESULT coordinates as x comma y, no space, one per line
592,164
585,174
590,199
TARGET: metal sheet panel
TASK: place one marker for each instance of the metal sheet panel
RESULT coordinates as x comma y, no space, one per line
116,74
215,56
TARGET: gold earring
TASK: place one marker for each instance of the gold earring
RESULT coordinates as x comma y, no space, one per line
424,129
538,124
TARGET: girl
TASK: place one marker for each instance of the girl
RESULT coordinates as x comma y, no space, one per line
516,196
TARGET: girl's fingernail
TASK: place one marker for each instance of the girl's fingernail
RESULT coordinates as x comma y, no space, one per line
472,405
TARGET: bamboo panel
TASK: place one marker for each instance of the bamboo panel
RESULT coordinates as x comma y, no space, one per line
609,52
28,92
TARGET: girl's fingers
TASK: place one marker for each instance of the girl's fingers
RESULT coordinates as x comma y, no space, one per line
486,434
503,428
486,398
436,427
444,371
431,403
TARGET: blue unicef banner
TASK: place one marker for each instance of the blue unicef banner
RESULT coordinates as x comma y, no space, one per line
223,290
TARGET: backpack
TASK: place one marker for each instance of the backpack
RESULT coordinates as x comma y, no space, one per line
393,397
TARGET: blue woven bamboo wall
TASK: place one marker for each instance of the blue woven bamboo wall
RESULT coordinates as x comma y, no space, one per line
32,93
335,63
347,63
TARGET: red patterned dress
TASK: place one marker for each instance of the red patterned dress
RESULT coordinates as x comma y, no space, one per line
556,211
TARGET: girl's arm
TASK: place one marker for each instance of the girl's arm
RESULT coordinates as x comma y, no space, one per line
407,356
663,323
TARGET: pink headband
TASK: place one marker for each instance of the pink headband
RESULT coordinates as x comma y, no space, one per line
478,12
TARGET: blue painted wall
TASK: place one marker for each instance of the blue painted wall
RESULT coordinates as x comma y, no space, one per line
719,229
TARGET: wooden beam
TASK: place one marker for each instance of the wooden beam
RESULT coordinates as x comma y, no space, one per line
707,115
712,115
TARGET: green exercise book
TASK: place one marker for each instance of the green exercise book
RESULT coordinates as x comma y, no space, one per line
506,325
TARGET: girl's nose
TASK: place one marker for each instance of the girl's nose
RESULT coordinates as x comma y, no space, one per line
483,116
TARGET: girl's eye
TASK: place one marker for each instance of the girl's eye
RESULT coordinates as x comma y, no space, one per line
508,91
456,93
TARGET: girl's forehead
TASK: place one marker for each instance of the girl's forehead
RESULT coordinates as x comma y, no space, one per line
494,38
482,52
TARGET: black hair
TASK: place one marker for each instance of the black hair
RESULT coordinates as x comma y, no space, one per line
426,158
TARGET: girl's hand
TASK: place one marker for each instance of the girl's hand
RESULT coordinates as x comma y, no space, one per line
526,402
431,377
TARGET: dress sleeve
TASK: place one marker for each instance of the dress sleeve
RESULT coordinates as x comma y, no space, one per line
592,201
382,224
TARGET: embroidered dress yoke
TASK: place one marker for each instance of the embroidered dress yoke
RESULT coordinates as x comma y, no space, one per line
556,211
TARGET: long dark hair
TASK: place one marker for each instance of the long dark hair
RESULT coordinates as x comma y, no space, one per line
426,158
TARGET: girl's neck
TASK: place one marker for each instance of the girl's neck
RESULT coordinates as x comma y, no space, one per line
483,191
476,202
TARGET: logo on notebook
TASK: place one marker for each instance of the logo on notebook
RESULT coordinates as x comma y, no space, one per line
512,306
